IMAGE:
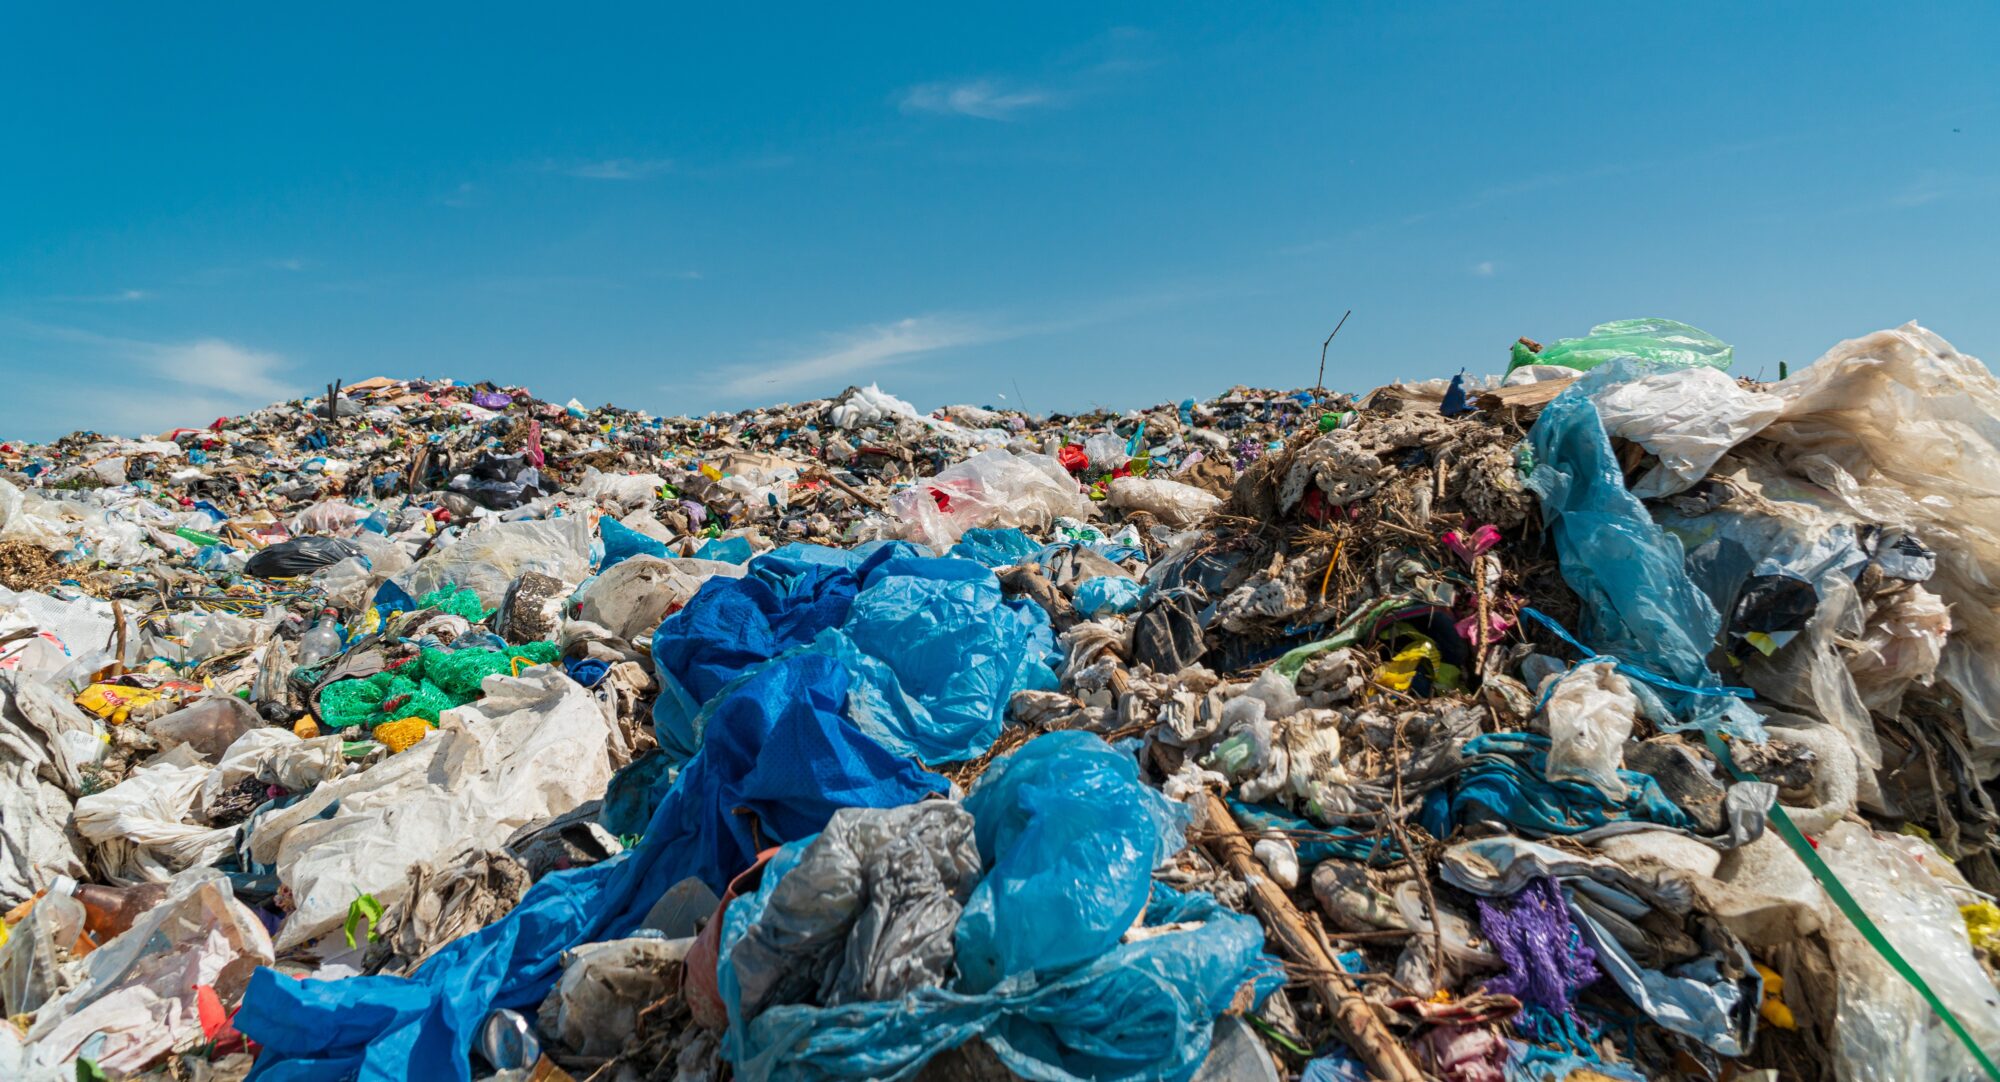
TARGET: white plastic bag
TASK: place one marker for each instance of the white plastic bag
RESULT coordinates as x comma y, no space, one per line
1590,715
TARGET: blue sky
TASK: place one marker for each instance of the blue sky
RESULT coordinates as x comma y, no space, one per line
211,207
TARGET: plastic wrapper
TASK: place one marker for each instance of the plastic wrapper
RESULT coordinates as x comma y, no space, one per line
1687,417
1590,713
1884,1031
992,488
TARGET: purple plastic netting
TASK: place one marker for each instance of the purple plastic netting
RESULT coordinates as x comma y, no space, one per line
1547,961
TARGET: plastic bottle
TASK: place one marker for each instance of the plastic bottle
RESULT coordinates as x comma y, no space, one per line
323,641
109,911
196,536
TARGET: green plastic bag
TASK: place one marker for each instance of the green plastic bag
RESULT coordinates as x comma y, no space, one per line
1647,339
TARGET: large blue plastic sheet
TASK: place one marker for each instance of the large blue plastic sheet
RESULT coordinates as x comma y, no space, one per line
1070,836
956,647
932,646
1508,778
776,762
731,625
1638,603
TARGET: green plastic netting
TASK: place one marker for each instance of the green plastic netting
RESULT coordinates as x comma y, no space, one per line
456,601
426,686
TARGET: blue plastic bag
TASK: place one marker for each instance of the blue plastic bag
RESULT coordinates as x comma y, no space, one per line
622,542
1109,593
1638,603
995,547
1071,837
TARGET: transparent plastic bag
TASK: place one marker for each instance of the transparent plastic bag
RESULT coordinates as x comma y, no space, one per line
992,488
1590,715
1647,339
487,559
1884,1031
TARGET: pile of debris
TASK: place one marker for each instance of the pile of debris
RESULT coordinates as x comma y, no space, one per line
1614,718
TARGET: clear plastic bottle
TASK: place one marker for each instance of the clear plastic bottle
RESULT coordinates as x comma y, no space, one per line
109,911
323,641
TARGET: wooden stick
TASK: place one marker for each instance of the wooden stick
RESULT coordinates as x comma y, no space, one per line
1380,1051
849,489
118,617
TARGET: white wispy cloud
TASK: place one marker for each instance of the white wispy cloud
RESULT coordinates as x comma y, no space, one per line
119,296
1485,268
158,385
866,350
987,99
616,168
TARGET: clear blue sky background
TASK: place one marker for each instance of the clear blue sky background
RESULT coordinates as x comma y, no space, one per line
207,207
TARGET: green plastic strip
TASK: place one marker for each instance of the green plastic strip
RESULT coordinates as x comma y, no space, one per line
1845,901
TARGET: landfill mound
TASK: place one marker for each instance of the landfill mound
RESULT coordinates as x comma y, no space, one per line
1614,717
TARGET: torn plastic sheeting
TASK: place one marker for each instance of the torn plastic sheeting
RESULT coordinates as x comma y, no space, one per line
783,600
1138,1010
1506,777
1698,998
45,742
1904,430
933,647
1645,339
1687,417
865,913
141,826
1638,602
141,985
1071,837
777,749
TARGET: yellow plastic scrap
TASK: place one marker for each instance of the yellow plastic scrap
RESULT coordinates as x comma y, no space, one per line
1401,671
711,472
402,733
1773,1009
1982,925
115,702
305,728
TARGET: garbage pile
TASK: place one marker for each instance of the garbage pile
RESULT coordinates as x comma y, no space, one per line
1614,717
